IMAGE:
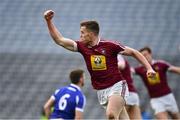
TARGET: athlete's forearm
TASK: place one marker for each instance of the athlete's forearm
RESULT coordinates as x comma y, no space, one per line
55,34
78,115
47,112
174,69
59,39
142,59
47,107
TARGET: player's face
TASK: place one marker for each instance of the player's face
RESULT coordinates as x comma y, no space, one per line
85,35
147,55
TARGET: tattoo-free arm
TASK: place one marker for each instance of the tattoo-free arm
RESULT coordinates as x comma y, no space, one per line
56,35
47,107
136,54
174,69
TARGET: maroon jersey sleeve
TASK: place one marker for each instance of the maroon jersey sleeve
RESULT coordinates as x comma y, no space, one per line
165,65
118,47
80,46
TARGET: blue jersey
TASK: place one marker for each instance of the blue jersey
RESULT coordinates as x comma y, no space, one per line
67,100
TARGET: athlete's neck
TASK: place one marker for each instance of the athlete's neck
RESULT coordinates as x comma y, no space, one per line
94,42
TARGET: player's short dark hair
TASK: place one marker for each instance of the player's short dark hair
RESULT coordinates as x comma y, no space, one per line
146,48
75,75
91,25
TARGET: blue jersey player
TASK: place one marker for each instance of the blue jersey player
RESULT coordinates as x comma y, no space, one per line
68,101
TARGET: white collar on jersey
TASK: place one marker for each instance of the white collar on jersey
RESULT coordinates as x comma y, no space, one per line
75,86
98,41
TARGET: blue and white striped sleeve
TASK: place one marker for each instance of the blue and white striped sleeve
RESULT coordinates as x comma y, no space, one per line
54,96
80,102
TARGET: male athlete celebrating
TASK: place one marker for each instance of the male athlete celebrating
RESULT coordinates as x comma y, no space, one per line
101,60
162,99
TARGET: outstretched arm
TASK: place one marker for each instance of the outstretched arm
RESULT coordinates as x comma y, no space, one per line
174,69
136,54
56,35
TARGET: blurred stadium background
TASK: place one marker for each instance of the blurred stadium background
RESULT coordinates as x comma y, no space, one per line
32,66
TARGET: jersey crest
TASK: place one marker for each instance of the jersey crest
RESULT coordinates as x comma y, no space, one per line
98,62
154,80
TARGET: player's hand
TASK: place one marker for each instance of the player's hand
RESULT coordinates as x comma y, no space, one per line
49,14
151,73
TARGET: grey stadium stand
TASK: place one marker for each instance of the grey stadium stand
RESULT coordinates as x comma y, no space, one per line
32,66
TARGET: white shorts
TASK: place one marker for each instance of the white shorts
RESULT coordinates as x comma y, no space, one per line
119,88
132,99
165,103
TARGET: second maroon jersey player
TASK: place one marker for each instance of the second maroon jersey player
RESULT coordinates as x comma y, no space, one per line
157,86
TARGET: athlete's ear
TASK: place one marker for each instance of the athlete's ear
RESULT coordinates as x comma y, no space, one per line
82,78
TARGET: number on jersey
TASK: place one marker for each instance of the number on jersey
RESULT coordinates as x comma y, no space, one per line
63,101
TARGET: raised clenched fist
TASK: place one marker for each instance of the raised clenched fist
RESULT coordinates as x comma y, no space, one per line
151,73
49,14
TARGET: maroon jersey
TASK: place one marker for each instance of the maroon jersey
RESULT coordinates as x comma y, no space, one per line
157,86
126,73
101,62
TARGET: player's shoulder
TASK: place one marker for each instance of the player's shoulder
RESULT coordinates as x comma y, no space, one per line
79,42
63,88
111,43
79,93
159,61
106,41
57,90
